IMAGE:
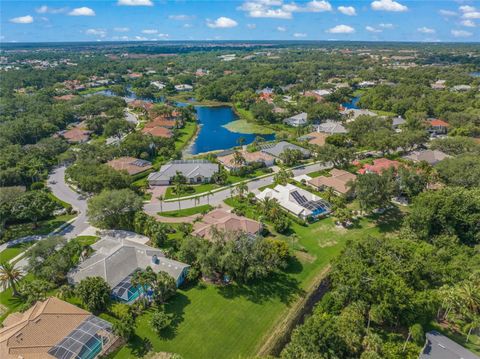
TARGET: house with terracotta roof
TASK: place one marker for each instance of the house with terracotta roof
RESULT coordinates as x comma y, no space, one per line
141,105
77,134
338,180
315,138
379,165
55,329
162,121
225,221
131,165
64,97
228,159
437,126
158,131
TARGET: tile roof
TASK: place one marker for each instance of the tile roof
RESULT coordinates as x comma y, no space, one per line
430,156
379,165
276,149
315,138
130,164
438,123
225,221
338,180
32,333
250,157
158,131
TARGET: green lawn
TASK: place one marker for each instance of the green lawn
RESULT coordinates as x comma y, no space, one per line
243,126
187,211
185,134
319,173
9,303
11,252
231,321
190,190
26,229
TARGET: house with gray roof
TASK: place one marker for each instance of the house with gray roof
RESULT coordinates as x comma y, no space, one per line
432,157
276,149
297,120
331,127
195,171
438,346
397,122
116,258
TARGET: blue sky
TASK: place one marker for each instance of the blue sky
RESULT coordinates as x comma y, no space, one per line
120,20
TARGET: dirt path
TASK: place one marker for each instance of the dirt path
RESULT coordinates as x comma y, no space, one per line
280,334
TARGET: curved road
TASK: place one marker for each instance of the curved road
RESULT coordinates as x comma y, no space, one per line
56,182
218,197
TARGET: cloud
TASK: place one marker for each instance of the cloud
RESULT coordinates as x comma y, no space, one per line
149,31
251,26
386,26
121,29
447,12
82,11
181,17
388,5
140,38
222,22
472,15
135,3
426,30
44,9
468,23
466,8
347,10
281,28
372,29
299,34
278,10
341,29
461,33
187,26
27,19
96,32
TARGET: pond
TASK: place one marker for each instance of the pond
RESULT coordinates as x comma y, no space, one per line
352,104
213,136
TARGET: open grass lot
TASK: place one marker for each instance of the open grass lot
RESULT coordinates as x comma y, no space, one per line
232,321
187,211
11,252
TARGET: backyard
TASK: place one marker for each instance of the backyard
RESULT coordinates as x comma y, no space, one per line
211,321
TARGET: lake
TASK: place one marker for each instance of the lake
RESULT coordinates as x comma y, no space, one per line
213,136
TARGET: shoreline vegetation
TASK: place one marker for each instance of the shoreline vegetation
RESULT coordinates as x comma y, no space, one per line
246,127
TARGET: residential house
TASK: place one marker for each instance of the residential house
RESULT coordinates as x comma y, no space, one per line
131,165
116,258
55,329
318,95
438,85
225,221
195,171
77,134
397,122
227,159
315,138
437,127
461,88
183,87
297,201
68,97
159,85
365,84
276,149
158,131
379,165
438,346
339,181
331,127
297,120
432,157
353,113
163,121
141,105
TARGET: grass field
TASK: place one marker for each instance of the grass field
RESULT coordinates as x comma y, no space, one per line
185,135
11,252
187,211
243,126
191,191
232,321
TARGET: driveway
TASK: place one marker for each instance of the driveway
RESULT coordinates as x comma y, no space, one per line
152,208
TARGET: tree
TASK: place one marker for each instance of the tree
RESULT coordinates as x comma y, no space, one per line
241,189
10,276
35,290
291,157
338,156
160,320
114,209
282,176
462,171
117,128
94,293
373,191
238,159
124,326
164,287
33,206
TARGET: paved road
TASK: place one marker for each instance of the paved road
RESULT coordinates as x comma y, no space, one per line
218,197
56,182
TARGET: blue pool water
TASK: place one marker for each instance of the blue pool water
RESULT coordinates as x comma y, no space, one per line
213,136
352,104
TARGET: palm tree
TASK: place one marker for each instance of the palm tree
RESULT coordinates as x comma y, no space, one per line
474,324
241,141
10,276
242,188
160,199
238,159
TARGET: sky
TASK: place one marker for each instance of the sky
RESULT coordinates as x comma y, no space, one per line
140,20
